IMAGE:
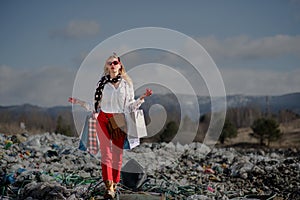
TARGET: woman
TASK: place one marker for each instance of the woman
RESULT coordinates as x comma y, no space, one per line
114,94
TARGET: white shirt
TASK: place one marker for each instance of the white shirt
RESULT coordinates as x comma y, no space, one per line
120,99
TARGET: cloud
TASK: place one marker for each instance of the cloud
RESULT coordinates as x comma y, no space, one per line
77,29
260,82
46,86
243,78
245,48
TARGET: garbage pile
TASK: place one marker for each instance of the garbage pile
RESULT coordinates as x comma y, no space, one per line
50,166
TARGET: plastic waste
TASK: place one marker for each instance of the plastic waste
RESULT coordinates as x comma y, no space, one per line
10,178
20,170
210,189
8,143
209,171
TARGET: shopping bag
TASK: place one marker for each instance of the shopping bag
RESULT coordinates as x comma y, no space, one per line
131,142
118,121
88,138
136,126
117,125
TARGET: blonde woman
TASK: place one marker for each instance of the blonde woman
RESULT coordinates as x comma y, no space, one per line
114,94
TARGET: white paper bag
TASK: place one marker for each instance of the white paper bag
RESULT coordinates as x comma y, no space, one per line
136,126
131,142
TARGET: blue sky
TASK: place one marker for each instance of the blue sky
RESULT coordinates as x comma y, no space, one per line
255,44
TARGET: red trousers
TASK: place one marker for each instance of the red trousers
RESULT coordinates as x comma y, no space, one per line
111,150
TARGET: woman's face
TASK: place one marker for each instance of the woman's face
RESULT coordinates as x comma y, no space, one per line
113,66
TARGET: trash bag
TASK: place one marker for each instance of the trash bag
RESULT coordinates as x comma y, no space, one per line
133,175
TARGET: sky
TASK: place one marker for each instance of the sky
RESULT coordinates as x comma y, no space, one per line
254,44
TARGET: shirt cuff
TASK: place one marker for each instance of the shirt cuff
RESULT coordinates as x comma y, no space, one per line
137,103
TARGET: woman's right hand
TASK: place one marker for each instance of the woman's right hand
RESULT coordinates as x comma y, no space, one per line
72,100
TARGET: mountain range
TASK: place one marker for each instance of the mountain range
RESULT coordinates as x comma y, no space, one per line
184,105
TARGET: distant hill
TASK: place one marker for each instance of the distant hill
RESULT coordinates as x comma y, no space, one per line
274,103
46,118
35,117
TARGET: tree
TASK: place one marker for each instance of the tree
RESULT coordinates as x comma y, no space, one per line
228,131
286,115
62,128
265,129
169,132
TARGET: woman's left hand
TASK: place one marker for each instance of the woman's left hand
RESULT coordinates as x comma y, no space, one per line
148,92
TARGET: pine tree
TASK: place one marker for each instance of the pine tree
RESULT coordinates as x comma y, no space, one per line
265,129
228,131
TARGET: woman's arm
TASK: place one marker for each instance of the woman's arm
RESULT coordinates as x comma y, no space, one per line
135,104
80,102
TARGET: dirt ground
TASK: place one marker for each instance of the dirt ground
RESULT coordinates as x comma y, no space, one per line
290,136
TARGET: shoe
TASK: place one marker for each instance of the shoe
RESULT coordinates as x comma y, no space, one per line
115,186
110,192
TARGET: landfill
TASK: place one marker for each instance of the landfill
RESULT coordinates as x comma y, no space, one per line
50,166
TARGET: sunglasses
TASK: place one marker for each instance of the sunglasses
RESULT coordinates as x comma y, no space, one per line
114,62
